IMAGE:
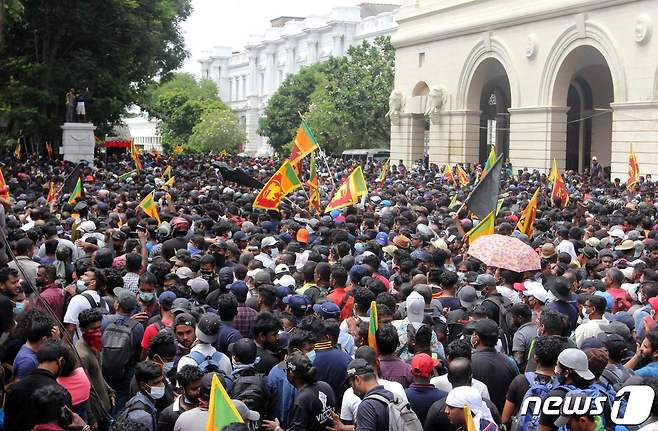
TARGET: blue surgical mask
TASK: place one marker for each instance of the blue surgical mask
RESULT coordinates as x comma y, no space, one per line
157,392
168,366
311,355
274,252
19,307
80,286
147,297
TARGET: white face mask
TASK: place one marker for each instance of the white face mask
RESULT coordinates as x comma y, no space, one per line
584,314
640,297
274,252
157,392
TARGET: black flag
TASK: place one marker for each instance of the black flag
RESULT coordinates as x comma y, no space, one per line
484,197
72,179
238,176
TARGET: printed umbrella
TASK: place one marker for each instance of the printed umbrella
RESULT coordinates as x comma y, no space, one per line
500,251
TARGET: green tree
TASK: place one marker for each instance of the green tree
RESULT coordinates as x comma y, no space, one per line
217,131
111,51
349,107
281,117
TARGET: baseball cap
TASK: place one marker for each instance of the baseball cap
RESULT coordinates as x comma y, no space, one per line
244,350
127,300
486,328
181,305
240,236
423,364
484,280
239,289
302,235
181,254
198,285
624,317
382,238
327,309
206,330
298,363
297,302
185,319
588,252
285,280
618,328
576,360
613,342
415,305
547,250
268,241
262,277
184,272
467,296
119,235
538,293
359,367
166,299
246,413
357,272
281,268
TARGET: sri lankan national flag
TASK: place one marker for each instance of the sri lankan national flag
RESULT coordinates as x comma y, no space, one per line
633,169
4,190
383,172
77,192
349,192
221,410
282,182
127,175
490,162
170,182
134,153
167,172
484,227
373,325
553,174
559,191
150,207
462,176
51,192
527,221
313,186
305,142
447,174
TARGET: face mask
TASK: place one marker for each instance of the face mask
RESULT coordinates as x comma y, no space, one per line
640,297
460,274
584,314
147,297
94,338
168,366
19,307
207,275
274,252
311,355
80,286
192,401
157,392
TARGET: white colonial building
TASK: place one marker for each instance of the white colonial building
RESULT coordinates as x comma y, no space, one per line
247,79
540,79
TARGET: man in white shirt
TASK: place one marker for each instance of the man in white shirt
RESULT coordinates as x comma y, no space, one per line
267,247
351,401
203,350
566,246
460,373
593,309
87,288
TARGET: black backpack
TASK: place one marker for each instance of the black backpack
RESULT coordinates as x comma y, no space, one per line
504,318
122,419
102,305
117,354
251,390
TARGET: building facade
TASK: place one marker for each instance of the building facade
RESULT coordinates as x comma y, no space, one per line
144,132
540,80
247,79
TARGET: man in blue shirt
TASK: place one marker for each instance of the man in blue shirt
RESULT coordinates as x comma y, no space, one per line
39,330
330,362
422,394
649,352
141,407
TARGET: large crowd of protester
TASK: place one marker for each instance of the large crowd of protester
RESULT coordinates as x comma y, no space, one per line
113,319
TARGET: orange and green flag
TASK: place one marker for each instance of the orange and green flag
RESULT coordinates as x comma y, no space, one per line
484,227
150,207
77,192
127,175
491,159
349,192
313,186
278,187
527,221
462,176
51,192
373,325
221,410
170,182
633,169
305,142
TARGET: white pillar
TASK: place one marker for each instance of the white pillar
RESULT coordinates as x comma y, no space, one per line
537,136
634,123
407,138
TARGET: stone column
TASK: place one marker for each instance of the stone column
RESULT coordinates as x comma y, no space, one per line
634,123
407,138
251,115
78,142
312,48
291,60
270,72
537,136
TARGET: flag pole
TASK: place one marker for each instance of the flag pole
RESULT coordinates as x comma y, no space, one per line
324,159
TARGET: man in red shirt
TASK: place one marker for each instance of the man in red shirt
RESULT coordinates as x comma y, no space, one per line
612,281
337,283
51,293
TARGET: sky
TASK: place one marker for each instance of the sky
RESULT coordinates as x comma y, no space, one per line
230,22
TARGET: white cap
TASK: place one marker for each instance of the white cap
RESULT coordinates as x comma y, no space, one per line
415,304
268,241
87,226
282,267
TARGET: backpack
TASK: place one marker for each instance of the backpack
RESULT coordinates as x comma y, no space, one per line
207,364
117,353
538,388
504,318
122,419
592,392
615,377
400,415
102,305
251,390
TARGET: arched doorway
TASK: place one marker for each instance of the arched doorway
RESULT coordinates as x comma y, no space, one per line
419,96
584,84
489,92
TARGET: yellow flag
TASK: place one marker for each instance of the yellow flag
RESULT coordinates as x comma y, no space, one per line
150,207
486,226
553,174
527,220
468,419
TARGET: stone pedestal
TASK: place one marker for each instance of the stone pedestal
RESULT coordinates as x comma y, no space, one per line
407,138
454,137
78,142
